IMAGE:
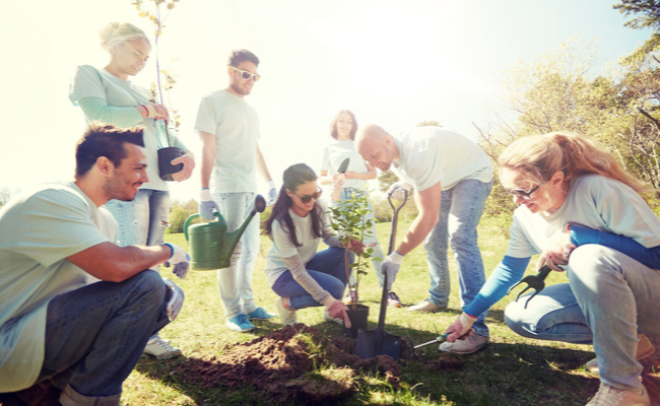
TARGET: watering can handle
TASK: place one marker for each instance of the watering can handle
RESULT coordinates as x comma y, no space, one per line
193,217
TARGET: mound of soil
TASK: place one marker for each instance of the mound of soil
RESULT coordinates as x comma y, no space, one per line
281,365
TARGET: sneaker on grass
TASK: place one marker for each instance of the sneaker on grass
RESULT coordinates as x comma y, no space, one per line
160,348
287,317
471,344
611,396
327,317
426,306
260,314
240,323
393,300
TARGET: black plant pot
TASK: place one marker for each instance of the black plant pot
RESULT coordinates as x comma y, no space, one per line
165,157
358,319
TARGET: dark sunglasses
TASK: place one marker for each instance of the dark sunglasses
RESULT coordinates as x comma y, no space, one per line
525,195
306,199
247,75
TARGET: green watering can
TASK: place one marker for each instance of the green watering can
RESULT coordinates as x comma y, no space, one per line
211,245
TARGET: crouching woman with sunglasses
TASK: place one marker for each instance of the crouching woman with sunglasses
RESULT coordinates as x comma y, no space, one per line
584,215
297,273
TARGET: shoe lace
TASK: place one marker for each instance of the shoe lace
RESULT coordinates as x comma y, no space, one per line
241,318
606,396
164,344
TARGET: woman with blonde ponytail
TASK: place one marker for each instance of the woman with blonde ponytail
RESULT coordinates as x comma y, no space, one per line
107,95
584,214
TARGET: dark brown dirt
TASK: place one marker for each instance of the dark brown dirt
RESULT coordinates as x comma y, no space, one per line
281,365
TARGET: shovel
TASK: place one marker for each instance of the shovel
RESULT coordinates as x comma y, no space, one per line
378,342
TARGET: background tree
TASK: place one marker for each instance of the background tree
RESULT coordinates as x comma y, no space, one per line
5,195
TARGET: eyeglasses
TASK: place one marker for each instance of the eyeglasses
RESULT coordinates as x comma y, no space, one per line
306,199
247,75
525,195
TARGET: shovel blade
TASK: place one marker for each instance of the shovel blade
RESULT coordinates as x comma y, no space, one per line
372,343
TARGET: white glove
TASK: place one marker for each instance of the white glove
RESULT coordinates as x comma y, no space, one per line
391,267
207,205
399,190
180,259
272,193
460,327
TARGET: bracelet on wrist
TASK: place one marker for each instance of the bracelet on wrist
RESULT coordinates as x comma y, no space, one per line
171,247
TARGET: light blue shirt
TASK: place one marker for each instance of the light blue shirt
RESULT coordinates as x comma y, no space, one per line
593,201
99,83
41,228
428,155
236,128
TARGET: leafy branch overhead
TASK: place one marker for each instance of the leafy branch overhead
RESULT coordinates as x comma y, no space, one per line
158,19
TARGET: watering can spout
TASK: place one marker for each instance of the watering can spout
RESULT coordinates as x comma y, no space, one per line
211,244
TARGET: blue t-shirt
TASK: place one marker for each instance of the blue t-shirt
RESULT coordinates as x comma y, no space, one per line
41,228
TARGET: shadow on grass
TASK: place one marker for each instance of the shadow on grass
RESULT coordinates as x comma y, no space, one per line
501,373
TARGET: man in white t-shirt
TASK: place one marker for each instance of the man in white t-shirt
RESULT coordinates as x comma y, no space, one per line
55,326
452,177
229,130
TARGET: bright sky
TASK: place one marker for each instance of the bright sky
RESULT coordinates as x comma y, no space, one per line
392,62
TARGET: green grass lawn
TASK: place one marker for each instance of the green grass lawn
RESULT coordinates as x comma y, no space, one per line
511,370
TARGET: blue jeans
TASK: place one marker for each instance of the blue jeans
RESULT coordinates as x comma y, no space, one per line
327,269
370,242
235,282
460,211
143,220
96,334
610,298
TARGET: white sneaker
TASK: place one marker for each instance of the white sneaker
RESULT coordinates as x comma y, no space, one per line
426,306
287,317
327,317
471,344
644,350
610,396
157,347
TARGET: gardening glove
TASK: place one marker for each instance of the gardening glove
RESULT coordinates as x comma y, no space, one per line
173,299
336,309
272,193
399,190
558,249
180,259
336,192
461,328
206,205
156,111
391,267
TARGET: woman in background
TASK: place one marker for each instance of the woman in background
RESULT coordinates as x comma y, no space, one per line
353,183
107,95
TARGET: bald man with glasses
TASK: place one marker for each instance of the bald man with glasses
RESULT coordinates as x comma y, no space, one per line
452,177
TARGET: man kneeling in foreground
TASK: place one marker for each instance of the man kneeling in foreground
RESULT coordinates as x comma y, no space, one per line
54,239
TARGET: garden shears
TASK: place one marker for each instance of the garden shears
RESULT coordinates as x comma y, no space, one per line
536,282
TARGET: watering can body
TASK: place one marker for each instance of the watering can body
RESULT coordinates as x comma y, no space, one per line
212,244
